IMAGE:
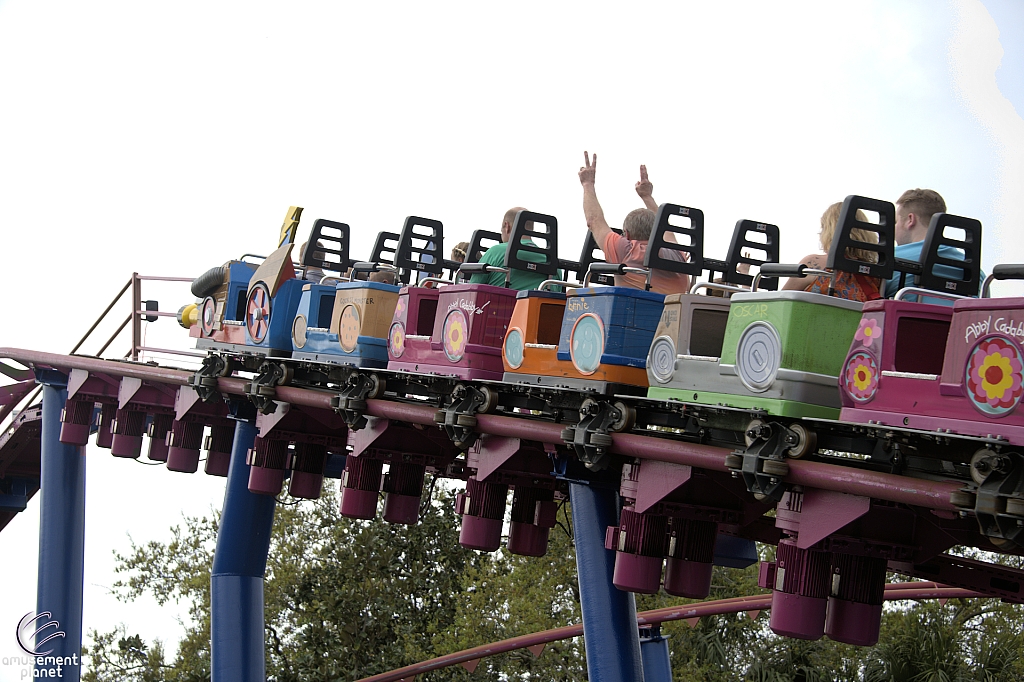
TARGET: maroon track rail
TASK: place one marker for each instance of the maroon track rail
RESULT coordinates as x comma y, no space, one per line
760,602
881,486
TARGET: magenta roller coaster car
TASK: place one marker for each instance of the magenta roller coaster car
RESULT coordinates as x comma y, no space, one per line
934,368
469,325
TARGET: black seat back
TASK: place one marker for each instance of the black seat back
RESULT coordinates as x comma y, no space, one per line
753,238
420,248
944,273
589,257
327,248
542,232
663,254
383,252
479,243
838,259
384,248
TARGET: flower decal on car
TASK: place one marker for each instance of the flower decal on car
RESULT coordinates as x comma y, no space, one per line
860,378
396,339
994,376
868,332
455,335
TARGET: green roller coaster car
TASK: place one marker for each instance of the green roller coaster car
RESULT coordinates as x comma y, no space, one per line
781,352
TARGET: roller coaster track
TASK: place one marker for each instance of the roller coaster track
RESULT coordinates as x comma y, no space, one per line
877,485
691,613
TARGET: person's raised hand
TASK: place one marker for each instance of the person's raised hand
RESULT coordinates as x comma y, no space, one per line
743,268
644,187
588,172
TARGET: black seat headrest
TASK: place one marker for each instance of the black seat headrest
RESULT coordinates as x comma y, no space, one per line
843,238
940,271
327,248
540,241
663,254
420,247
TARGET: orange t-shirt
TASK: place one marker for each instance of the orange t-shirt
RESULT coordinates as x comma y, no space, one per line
618,249
850,286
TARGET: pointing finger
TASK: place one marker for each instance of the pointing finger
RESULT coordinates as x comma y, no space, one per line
586,159
643,173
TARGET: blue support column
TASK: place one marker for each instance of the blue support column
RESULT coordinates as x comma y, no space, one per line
61,543
654,650
236,584
609,614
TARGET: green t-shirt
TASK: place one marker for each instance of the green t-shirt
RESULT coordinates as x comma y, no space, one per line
521,279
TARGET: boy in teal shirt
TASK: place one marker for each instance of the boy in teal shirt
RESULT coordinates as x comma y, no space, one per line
519,279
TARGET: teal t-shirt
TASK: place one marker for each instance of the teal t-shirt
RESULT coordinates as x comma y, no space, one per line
521,279
912,251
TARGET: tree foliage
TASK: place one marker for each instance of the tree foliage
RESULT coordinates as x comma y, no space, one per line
345,599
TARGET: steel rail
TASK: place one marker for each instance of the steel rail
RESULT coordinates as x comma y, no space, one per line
881,486
151,278
893,591
102,315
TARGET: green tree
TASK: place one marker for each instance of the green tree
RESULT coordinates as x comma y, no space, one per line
343,598
506,595
346,599
118,655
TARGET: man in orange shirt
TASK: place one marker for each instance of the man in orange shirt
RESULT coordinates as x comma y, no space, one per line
631,246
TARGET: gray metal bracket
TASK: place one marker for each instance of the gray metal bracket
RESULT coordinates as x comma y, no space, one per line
204,381
763,463
263,388
591,437
350,403
459,418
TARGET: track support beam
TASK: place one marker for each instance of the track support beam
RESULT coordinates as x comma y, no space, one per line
609,614
236,583
654,650
61,542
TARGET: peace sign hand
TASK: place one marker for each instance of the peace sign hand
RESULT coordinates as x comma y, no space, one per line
588,172
644,187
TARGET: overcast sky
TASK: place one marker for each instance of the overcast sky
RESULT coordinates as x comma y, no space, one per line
166,138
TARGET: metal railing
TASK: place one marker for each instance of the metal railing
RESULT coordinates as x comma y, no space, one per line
134,318
141,310
138,314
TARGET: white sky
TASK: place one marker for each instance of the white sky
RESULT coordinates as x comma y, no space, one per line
167,138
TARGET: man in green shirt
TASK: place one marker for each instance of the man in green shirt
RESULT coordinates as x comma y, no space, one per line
520,279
